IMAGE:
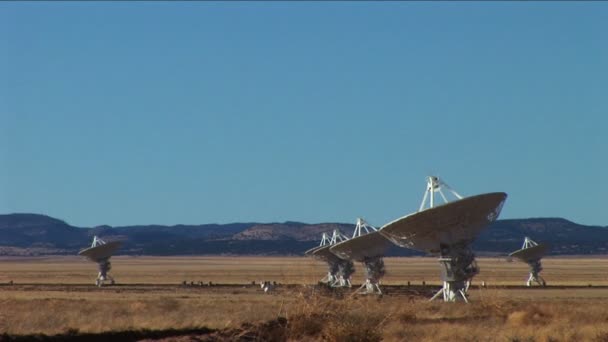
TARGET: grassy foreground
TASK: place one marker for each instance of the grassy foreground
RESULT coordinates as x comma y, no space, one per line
58,305
305,315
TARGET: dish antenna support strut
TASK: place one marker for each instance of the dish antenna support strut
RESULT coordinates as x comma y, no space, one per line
433,185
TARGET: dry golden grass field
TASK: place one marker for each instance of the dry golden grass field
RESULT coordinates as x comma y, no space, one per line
56,295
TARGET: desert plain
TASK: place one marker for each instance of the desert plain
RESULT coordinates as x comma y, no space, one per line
219,299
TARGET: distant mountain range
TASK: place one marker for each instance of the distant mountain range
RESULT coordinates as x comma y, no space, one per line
33,234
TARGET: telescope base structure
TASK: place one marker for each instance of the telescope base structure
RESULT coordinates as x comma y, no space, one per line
345,270
453,291
369,287
341,282
335,281
332,273
535,268
329,279
374,271
459,267
338,274
104,267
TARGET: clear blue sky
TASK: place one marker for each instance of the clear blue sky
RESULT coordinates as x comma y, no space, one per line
200,112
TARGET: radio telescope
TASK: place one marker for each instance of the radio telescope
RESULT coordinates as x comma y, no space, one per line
531,253
447,230
368,248
100,252
339,271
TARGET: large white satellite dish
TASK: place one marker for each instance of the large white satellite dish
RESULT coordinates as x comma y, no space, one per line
368,248
339,270
447,230
100,253
531,253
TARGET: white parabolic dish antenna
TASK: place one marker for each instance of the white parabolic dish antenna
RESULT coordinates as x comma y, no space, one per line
448,230
531,253
371,245
368,248
100,252
323,253
339,271
451,223
527,254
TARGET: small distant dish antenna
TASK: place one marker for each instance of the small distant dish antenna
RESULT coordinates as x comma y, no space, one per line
101,252
447,230
339,271
531,253
369,247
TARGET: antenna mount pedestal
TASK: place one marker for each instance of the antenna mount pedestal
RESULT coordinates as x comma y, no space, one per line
338,271
345,269
374,266
104,267
374,271
535,268
459,267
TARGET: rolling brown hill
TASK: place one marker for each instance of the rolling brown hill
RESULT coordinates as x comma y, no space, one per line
33,234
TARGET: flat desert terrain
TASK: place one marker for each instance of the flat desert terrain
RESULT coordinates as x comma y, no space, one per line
56,296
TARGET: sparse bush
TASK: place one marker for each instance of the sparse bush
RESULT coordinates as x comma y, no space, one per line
306,326
354,327
169,304
601,337
332,319
529,316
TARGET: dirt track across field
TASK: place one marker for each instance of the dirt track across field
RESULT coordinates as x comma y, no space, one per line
286,270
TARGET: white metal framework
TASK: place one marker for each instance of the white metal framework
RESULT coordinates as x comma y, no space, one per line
433,185
324,240
362,226
337,237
